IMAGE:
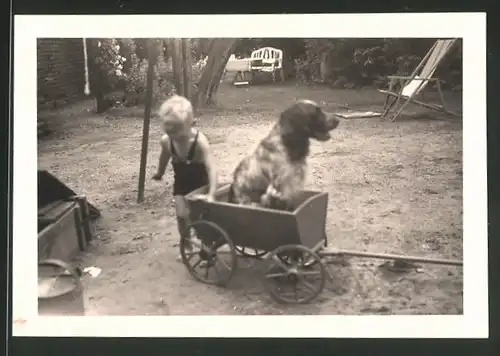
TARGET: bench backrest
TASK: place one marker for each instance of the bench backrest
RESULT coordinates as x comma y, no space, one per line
266,56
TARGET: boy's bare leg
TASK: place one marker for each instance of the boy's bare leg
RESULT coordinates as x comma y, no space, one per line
182,213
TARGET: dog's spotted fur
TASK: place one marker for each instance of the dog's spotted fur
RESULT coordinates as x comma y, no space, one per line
275,173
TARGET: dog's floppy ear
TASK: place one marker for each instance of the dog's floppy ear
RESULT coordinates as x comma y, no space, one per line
294,131
292,121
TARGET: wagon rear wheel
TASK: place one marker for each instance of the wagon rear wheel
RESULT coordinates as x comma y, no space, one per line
250,252
294,282
208,253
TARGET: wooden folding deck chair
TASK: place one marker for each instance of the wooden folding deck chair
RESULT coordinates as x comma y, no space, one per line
411,86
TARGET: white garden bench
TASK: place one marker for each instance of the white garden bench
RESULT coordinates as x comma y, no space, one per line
268,59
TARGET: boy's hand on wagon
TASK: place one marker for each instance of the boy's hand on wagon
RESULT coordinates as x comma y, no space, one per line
208,198
157,176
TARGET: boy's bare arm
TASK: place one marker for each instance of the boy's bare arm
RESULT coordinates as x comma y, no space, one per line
209,164
164,157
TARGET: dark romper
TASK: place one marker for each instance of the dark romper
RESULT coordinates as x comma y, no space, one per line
188,176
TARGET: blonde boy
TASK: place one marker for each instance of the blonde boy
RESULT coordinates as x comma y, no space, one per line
188,150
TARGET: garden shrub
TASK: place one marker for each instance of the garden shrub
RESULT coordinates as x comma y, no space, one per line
124,63
361,62
110,62
136,80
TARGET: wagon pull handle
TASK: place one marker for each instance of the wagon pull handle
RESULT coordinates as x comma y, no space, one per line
384,256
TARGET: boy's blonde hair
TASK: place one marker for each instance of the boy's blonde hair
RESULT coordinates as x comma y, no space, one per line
176,108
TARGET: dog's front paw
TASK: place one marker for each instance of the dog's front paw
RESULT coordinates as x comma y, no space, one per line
265,200
271,195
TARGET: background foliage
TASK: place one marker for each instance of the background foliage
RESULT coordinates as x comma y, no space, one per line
341,63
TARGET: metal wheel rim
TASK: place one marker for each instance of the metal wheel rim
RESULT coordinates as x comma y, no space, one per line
255,254
303,271
285,259
210,262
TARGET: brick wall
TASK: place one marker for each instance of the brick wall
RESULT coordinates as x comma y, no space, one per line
60,71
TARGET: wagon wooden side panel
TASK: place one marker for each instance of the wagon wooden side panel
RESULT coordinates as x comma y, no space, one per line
311,218
261,228
254,227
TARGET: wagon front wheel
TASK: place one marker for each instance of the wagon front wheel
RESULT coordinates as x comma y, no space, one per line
289,259
208,253
296,282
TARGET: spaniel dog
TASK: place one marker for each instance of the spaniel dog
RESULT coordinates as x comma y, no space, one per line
276,171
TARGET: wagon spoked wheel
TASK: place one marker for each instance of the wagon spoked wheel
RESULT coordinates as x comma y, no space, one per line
291,258
208,253
250,252
294,282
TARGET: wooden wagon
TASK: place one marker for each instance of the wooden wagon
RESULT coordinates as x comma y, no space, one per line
292,242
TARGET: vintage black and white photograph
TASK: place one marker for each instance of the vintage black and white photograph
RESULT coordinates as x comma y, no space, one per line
243,176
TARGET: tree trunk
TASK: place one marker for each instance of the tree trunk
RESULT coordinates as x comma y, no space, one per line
218,56
96,77
187,68
207,45
325,71
175,44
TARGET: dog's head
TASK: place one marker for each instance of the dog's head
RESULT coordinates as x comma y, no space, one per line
306,119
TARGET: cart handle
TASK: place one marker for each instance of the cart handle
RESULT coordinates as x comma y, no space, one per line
337,252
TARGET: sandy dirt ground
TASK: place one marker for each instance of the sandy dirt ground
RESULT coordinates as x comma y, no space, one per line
393,188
